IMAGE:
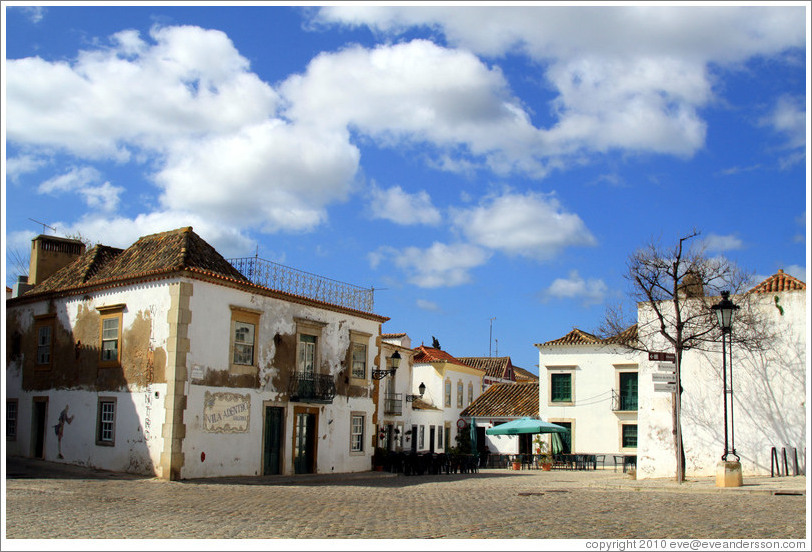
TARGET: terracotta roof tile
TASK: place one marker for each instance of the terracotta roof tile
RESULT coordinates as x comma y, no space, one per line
523,375
580,337
779,282
390,335
494,367
506,399
430,354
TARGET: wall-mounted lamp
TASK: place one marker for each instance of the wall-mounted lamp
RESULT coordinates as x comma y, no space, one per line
422,389
380,374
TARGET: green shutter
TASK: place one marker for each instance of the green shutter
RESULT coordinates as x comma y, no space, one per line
561,387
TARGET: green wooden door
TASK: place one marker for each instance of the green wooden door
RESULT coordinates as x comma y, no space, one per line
273,440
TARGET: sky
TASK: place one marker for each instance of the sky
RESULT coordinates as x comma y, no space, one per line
487,169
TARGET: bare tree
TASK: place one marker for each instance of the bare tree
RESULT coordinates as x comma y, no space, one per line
679,286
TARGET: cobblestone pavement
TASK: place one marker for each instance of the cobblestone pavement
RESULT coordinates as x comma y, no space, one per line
45,500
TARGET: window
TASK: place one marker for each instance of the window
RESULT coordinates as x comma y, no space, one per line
470,393
439,437
627,383
106,422
561,388
359,361
629,435
357,433
422,439
307,353
448,392
459,394
244,324
110,335
11,419
45,340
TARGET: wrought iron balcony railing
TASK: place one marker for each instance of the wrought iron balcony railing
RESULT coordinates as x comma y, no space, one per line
393,404
290,280
313,388
623,402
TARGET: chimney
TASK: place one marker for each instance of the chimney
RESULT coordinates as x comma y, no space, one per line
49,254
20,286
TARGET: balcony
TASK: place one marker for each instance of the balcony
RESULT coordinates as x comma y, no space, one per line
312,388
393,404
623,402
304,284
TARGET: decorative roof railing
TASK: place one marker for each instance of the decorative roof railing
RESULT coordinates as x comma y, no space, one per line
298,282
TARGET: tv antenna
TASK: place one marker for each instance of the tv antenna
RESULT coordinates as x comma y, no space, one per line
44,226
490,337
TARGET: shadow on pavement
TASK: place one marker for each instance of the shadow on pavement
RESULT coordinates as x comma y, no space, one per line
33,468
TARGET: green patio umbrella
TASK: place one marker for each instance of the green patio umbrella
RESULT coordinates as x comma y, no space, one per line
525,425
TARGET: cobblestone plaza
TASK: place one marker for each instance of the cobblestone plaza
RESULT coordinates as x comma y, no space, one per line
73,503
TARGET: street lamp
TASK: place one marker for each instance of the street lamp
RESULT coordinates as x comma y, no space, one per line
380,374
422,389
725,310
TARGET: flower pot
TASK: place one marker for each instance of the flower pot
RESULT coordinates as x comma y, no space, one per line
517,465
378,468
546,467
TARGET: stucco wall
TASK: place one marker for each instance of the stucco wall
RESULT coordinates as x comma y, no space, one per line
770,400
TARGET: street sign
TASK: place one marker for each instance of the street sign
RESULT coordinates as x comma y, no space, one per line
664,378
662,357
666,367
665,387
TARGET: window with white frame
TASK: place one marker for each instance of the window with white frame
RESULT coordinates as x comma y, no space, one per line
448,392
44,345
106,422
11,419
459,394
110,334
244,324
359,360
357,432
470,393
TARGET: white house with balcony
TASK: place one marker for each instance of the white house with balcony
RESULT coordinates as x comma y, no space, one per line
590,386
163,358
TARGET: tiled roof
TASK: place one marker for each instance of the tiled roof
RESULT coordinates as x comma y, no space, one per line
494,367
430,354
506,399
391,335
779,282
580,337
523,375
174,250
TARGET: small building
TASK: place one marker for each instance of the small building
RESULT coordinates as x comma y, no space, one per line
500,403
589,385
450,386
392,390
165,359
497,369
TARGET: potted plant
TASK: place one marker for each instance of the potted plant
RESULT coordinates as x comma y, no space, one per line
545,457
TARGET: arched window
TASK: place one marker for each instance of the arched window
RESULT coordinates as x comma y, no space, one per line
459,394
448,392
470,392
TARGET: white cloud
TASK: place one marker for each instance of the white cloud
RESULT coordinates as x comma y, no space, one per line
788,117
134,94
419,92
589,292
22,164
717,243
429,306
440,265
532,225
644,89
401,207
84,181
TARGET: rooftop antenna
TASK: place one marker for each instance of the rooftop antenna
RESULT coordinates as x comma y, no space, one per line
44,226
490,337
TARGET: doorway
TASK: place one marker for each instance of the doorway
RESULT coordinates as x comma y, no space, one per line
39,422
274,424
304,441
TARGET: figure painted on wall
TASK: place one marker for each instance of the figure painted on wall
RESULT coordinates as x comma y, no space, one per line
60,428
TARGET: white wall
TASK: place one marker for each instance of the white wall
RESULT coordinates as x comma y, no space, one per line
769,407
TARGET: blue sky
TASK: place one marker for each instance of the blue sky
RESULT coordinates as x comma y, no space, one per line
475,165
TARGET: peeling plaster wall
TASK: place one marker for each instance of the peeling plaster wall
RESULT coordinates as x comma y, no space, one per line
769,408
241,453
76,380
596,428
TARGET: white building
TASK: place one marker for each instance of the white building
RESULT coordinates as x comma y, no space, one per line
591,385
770,394
450,386
164,359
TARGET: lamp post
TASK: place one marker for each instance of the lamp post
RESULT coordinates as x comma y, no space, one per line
728,473
380,374
422,389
